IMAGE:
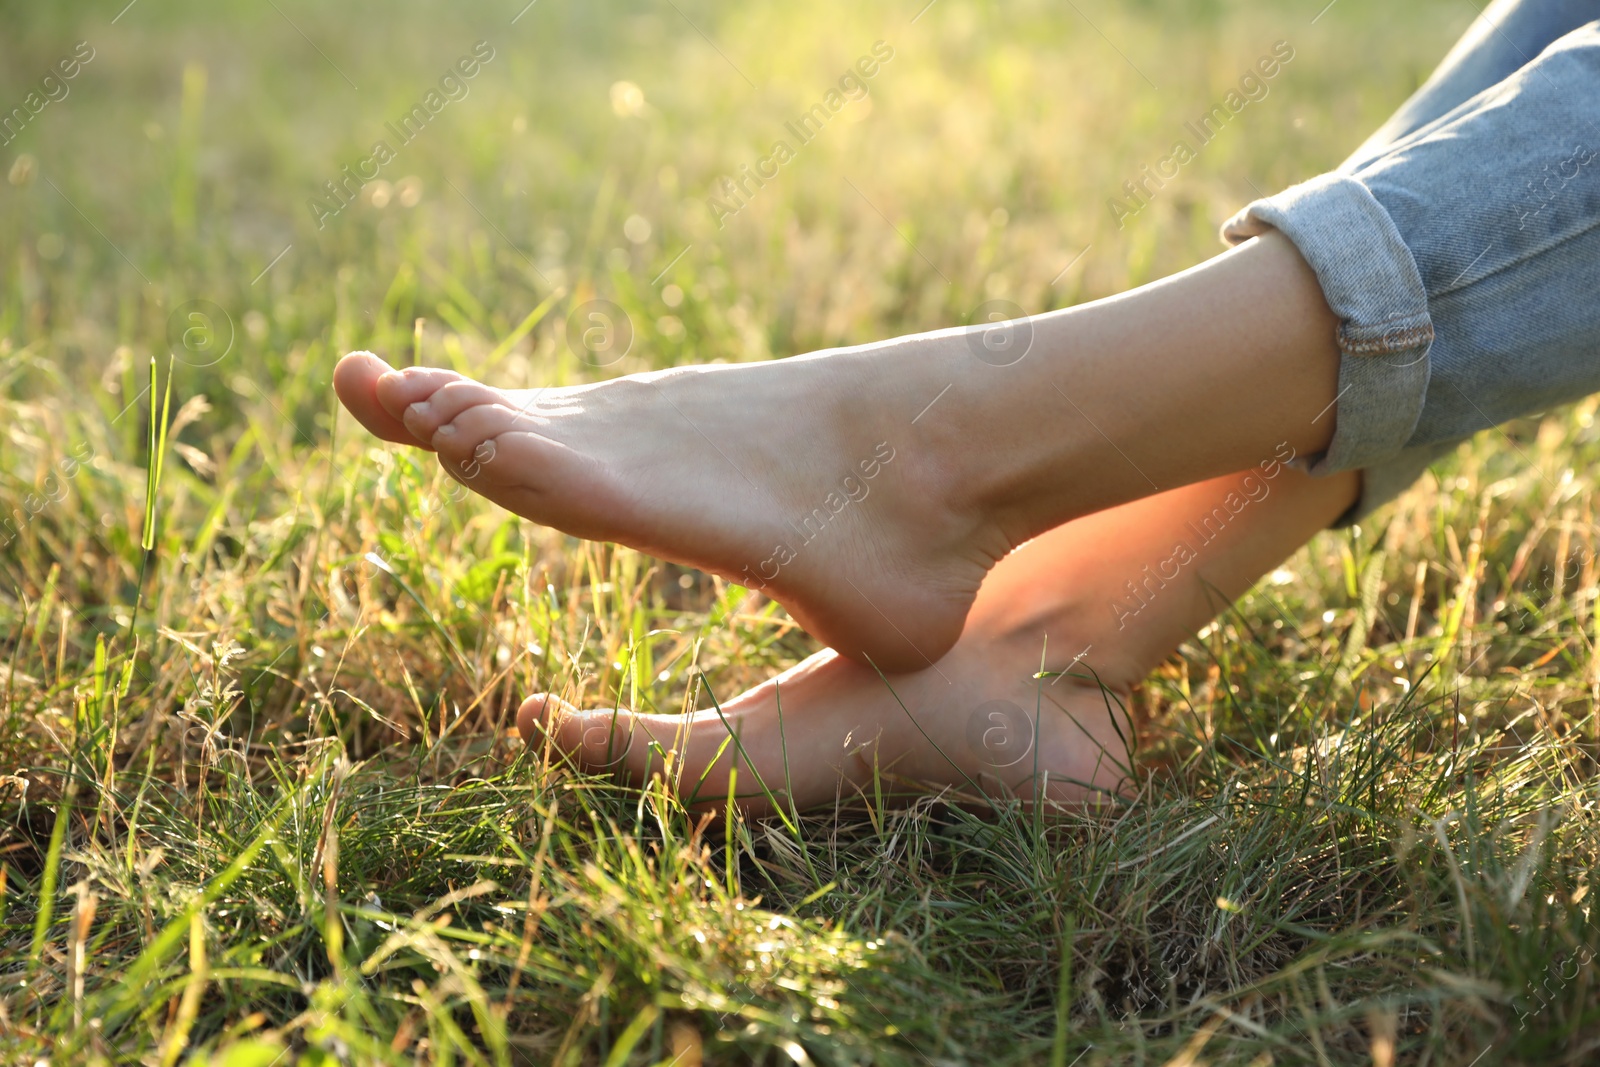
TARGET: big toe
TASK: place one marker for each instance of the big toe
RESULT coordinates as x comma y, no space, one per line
355,380
693,751
601,740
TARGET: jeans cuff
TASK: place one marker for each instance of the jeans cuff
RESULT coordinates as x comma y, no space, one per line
1372,283
1383,481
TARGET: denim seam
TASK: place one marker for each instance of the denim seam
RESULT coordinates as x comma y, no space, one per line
1524,258
1390,342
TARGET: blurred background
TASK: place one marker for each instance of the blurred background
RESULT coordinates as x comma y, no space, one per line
584,153
604,193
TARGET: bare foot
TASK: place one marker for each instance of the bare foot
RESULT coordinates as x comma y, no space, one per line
797,477
870,489
1105,598
981,721
978,721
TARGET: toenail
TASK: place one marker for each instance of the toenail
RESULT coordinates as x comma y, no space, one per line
608,738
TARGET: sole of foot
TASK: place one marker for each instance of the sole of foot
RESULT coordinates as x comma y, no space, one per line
795,477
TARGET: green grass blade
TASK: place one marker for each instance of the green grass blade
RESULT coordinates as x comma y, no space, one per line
51,874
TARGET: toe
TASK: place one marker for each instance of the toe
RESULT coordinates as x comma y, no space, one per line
463,394
465,433
601,740
425,416
532,713
399,389
693,750
355,380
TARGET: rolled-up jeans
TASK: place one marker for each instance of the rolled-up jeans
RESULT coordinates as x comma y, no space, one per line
1460,247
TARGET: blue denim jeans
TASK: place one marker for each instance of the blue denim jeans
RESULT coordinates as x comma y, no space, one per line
1460,247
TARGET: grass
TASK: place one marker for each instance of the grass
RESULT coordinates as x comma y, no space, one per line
261,804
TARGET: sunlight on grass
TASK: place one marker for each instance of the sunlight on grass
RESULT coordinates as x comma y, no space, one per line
262,799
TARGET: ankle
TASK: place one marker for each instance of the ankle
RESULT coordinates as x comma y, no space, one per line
992,441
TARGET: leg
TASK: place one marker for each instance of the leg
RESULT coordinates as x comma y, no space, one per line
870,490
1461,259
1114,592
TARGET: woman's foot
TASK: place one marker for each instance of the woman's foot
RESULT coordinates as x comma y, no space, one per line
1098,602
869,490
803,478
979,722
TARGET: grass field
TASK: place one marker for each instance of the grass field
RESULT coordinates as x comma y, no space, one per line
261,800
